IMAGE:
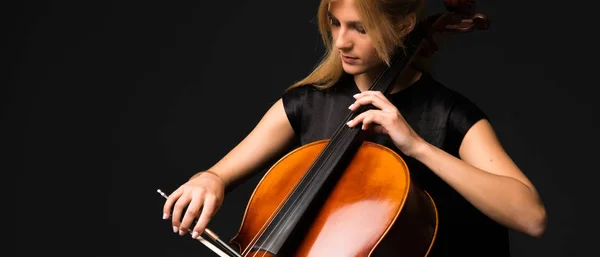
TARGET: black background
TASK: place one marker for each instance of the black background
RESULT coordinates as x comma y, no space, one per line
108,101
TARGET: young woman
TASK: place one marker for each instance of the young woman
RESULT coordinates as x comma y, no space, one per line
447,141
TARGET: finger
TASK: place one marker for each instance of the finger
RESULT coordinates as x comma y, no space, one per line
192,212
180,205
367,121
369,92
379,129
208,210
373,118
371,99
360,118
169,203
377,94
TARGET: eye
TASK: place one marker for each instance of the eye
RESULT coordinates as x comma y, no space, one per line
334,22
360,29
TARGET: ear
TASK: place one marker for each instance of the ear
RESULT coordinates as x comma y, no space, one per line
407,23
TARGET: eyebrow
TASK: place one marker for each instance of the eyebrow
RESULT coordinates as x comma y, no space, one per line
352,23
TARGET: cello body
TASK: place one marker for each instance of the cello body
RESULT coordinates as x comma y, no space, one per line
373,209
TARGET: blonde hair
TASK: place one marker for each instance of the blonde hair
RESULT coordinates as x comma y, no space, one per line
386,22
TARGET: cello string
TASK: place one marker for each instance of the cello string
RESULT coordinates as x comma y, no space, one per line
286,200
301,192
302,196
396,58
270,220
338,133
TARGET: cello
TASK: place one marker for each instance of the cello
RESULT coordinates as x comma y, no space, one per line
347,196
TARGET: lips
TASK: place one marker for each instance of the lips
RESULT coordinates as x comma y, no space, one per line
349,59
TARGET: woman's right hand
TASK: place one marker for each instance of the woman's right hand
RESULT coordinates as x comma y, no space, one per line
202,195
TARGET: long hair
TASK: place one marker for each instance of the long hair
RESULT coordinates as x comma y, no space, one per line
387,23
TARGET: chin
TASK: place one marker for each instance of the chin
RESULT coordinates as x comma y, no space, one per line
352,69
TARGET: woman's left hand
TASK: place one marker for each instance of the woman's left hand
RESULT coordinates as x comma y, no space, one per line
387,120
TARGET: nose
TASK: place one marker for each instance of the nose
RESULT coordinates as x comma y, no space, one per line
343,41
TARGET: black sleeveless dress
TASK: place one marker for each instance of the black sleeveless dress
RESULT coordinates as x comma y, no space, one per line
441,116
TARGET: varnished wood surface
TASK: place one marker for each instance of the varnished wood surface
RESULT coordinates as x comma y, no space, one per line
360,211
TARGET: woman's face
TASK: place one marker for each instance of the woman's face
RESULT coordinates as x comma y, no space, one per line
356,50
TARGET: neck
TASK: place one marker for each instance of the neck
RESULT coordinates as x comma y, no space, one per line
405,79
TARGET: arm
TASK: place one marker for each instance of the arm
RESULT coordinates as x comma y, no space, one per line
489,179
484,175
271,135
201,196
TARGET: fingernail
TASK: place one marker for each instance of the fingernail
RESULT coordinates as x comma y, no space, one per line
355,96
175,229
348,123
194,235
181,232
165,216
350,107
